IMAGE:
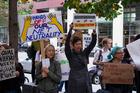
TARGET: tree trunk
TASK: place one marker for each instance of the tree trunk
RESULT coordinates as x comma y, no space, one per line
13,27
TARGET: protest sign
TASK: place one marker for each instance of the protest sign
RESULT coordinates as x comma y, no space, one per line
134,53
46,62
65,69
7,64
40,26
117,73
84,21
86,40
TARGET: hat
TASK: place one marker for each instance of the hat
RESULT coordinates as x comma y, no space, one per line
113,52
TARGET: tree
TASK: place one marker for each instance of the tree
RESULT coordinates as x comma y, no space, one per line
3,13
13,26
102,8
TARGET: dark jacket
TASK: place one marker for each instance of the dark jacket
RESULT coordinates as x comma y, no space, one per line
51,82
79,81
13,83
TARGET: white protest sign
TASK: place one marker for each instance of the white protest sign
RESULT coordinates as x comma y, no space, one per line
40,26
133,49
86,40
46,62
65,69
84,21
7,64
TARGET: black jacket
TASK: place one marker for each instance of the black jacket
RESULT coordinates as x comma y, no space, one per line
79,81
13,83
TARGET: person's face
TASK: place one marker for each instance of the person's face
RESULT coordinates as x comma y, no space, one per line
109,43
1,48
119,54
50,52
77,46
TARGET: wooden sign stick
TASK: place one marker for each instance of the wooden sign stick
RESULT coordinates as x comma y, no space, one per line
42,49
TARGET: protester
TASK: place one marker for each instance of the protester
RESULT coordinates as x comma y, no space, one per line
48,78
12,85
101,54
34,54
79,81
38,53
116,56
137,71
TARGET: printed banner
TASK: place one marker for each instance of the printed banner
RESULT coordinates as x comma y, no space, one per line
117,73
40,26
7,64
84,21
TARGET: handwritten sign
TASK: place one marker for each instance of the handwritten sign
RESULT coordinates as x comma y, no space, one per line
117,73
40,26
84,21
7,64
86,40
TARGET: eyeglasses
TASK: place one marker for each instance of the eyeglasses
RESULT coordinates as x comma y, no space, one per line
119,52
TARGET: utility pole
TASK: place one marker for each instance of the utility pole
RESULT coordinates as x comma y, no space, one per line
13,27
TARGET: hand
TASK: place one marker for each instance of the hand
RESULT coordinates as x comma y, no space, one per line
45,69
17,73
44,74
94,32
53,19
71,25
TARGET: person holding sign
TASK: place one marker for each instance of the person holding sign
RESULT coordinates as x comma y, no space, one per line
116,56
79,81
8,83
48,72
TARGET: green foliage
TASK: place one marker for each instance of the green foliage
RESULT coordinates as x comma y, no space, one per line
103,8
3,13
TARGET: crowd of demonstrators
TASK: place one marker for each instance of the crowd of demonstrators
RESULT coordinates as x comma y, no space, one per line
12,85
79,81
48,78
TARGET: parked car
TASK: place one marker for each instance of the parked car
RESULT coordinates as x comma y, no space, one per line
93,75
25,61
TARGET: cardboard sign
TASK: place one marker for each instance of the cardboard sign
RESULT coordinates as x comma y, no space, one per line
117,73
7,64
84,21
40,26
